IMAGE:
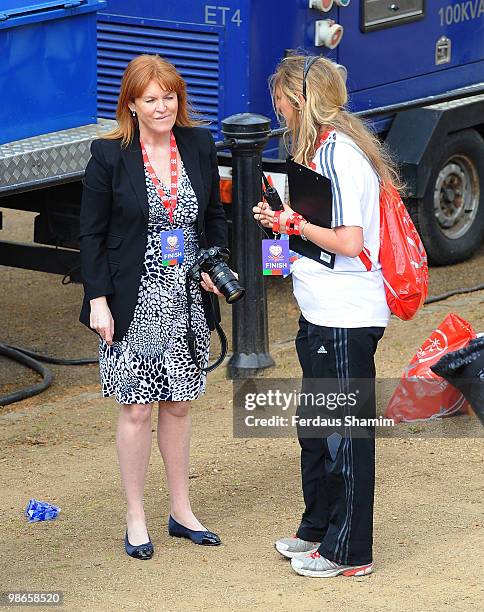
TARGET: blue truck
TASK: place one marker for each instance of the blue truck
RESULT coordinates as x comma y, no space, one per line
415,71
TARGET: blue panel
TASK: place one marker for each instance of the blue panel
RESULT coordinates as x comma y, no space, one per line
272,32
418,87
23,6
407,51
49,72
14,13
385,66
194,50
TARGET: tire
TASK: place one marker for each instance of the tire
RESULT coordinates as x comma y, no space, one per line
450,217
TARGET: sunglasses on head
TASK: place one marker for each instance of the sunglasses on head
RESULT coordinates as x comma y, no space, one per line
308,62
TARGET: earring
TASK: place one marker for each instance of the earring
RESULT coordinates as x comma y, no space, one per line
133,113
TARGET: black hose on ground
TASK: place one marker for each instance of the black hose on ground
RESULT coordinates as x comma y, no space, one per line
444,296
32,360
54,360
27,361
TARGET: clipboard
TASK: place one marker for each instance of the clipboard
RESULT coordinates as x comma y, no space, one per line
311,195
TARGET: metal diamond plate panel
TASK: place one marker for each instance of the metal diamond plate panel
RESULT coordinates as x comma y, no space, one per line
50,158
459,102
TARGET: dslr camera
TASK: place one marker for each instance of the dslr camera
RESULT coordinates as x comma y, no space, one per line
213,261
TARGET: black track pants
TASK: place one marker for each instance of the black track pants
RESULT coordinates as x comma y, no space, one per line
338,472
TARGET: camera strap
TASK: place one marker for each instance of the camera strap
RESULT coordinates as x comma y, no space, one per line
191,337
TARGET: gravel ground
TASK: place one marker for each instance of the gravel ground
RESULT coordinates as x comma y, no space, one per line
59,447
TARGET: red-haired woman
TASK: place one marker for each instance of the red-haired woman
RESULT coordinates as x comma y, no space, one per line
150,201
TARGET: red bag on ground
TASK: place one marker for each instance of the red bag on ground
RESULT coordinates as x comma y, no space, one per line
422,394
402,256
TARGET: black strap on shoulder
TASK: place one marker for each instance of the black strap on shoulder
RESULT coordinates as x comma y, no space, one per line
191,337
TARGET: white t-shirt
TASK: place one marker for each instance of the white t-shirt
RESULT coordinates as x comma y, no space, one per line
348,295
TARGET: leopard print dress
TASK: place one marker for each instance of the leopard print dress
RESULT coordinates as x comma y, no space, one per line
152,362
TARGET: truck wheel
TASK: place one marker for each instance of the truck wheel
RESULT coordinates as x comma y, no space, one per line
450,217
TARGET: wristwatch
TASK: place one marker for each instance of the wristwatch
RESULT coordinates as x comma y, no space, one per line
301,230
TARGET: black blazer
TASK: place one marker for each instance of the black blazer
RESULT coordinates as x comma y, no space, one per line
114,220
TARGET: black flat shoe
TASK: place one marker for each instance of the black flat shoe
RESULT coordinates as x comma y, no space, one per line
204,538
142,551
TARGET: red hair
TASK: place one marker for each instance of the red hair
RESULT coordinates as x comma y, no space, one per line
138,74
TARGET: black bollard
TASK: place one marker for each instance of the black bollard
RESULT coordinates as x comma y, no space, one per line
249,133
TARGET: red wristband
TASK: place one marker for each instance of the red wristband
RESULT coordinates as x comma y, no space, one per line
276,222
289,224
292,224
297,225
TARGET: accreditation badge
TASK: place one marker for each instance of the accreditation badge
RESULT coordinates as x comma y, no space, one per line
293,256
275,258
172,247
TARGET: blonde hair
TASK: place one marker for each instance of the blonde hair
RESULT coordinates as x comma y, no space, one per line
138,74
325,108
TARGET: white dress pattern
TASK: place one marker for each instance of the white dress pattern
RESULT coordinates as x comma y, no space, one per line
152,362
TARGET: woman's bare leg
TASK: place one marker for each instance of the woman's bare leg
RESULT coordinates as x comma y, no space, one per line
174,429
133,443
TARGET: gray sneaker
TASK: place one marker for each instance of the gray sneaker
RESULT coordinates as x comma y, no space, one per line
290,547
316,566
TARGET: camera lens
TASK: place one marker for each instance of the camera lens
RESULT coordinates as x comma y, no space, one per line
233,292
226,283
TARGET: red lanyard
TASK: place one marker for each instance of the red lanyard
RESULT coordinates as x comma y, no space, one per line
324,136
169,201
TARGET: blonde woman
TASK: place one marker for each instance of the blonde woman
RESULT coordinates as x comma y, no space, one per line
343,310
